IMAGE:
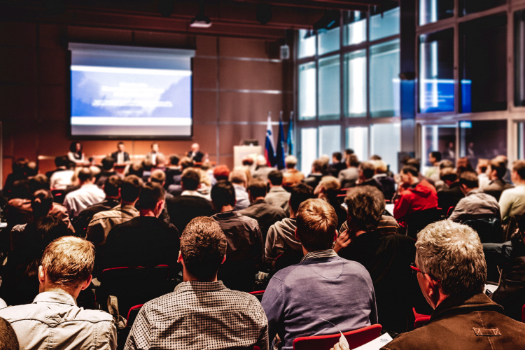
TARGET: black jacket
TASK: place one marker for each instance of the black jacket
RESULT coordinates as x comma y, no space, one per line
449,197
183,209
114,155
197,157
265,214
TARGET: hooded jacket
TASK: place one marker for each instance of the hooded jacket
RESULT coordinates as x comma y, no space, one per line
421,196
281,239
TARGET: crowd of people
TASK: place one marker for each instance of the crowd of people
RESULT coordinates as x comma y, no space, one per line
349,245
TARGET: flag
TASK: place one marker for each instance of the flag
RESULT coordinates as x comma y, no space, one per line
280,144
269,152
289,139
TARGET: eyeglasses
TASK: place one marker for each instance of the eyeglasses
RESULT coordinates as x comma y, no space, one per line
416,269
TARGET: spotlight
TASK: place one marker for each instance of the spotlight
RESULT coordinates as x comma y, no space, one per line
166,7
264,13
200,21
329,21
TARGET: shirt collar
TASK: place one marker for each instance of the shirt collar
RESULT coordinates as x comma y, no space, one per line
328,253
55,297
277,189
200,286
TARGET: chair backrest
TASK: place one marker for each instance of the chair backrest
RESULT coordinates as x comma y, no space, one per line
489,229
355,339
258,294
132,314
420,219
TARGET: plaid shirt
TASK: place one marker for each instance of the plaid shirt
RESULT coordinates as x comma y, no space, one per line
200,315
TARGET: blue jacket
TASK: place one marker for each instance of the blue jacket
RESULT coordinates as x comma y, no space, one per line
300,296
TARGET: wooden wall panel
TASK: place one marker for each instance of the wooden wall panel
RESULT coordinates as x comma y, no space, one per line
250,75
18,102
17,34
238,106
18,65
235,134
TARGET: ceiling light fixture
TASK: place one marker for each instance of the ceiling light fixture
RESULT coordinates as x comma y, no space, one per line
200,21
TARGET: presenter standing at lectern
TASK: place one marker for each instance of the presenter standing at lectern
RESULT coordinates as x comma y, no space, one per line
120,156
195,154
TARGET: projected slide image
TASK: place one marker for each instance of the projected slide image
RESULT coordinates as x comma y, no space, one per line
130,101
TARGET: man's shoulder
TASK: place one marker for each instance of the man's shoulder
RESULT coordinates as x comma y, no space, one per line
351,267
39,312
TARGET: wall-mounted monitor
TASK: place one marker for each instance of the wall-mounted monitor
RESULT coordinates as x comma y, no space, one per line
130,92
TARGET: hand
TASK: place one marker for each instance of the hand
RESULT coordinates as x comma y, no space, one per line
343,241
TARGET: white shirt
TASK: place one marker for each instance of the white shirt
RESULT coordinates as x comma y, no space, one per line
61,179
82,198
512,201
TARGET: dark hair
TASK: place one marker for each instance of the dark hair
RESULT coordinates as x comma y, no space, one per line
446,163
257,188
136,169
73,147
190,179
247,161
38,182
8,339
186,163
41,203
31,169
147,164
130,188
499,166
448,174
353,161
375,157
107,163
300,193
203,246
414,163
368,169
112,185
469,179
436,155
174,159
85,174
275,177
349,151
19,166
337,155
223,194
410,169
316,224
158,176
519,167
317,166
365,207
150,195
61,161
120,143
463,164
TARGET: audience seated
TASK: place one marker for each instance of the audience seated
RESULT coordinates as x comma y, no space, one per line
184,208
463,164
201,312
8,339
449,197
260,210
19,170
451,272
337,164
366,176
445,164
291,176
62,178
281,238
173,171
417,196
53,317
60,165
417,165
88,194
106,171
496,171
512,201
240,182
277,195
135,168
195,154
324,293
120,156
145,240
328,189
244,237
348,177
102,222
386,257
387,182
159,176
262,169
481,170
221,172
434,158
75,154
316,175
152,156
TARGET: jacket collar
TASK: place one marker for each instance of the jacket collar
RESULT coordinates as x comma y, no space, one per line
464,303
277,189
56,298
227,214
258,201
200,286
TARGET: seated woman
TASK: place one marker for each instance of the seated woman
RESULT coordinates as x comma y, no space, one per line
75,153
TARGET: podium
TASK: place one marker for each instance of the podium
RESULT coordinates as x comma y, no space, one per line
241,152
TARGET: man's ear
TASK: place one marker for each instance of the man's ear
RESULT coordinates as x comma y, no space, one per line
296,235
223,259
41,274
160,206
87,282
336,234
179,259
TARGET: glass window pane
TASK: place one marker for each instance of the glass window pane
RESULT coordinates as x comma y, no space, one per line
355,27
357,139
384,24
329,41
384,79
431,11
307,91
386,143
482,139
308,149
329,88
436,72
329,140
437,138
483,55
306,43
521,140
355,68
470,6
519,58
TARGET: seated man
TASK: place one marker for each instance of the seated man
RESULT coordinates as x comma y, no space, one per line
281,238
291,176
366,176
388,182
88,194
324,293
450,196
245,244
201,313
107,171
145,240
337,164
327,190
496,171
386,257
240,183
348,177
316,175
512,201
260,210
183,209
451,272
53,317
262,169
277,195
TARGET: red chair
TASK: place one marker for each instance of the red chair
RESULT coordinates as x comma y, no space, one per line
355,339
132,314
523,313
258,294
420,319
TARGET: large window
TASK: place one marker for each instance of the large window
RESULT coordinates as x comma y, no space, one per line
519,58
438,138
355,83
355,28
307,91
329,88
431,11
384,23
357,140
482,139
384,79
385,140
329,139
308,149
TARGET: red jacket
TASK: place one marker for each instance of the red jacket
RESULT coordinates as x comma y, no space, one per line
421,197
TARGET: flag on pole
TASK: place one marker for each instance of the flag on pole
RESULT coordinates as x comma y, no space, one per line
269,152
289,139
280,144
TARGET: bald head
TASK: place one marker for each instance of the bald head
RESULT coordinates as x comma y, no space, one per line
195,147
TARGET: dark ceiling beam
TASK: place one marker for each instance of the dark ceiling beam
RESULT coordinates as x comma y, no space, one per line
355,5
